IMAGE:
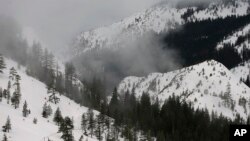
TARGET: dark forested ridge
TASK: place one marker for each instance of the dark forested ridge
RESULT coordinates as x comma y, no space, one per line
196,41
176,120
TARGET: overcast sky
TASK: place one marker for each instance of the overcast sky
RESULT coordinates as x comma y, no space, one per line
56,22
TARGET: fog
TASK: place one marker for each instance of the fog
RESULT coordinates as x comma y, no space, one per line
140,57
56,22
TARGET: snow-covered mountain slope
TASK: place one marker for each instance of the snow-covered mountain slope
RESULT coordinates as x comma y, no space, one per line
242,71
221,10
157,19
206,85
35,93
239,40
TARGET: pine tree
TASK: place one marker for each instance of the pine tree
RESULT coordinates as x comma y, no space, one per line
17,94
35,120
98,130
7,126
69,75
1,94
25,109
228,96
107,124
2,63
5,137
58,117
17,83
9,85
12,74
8,92
52,91
8,95
45,113
66,128
127,133
91,120
84,124
4,93
15,100
114,105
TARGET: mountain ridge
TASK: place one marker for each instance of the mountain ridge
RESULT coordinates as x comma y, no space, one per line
157,19
206,85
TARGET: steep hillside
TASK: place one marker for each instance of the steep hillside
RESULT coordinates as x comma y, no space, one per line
206,85
242,71
239,40
221,10
35,93
158,19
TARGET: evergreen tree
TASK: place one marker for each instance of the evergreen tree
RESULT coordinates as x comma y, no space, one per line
8,92
58,117
17,94
145,115
47,111
114,104
25,109
18,78
84,123
127,133
52,91
8,95
44,112
98,130
7,126
35,120
69,75
4,93
91,121
1,94
107,124
228,96
15,100
66,128
2,63
12,74
5,137
9,85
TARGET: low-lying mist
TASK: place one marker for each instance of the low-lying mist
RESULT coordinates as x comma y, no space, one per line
136,58
12,44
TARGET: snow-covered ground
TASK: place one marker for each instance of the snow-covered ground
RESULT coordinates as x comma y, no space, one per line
232,39
205,85
35,93
157,19
221,10
242,71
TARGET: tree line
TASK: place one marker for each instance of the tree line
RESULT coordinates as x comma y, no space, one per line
175,120
196,41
